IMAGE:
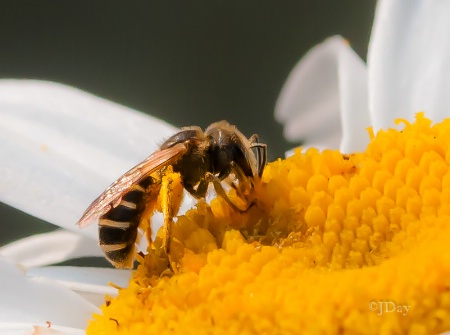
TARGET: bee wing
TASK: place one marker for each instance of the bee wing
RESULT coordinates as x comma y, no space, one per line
113,194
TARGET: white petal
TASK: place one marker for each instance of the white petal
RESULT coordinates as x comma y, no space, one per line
50,248
329,81
409,61
62,147
91,283
310,95
8,328
38,300
353,91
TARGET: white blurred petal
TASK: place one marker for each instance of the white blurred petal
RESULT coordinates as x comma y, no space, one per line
329,81
61,147
8,328
91,283
37,300
50,248
353,91
408,60
309,91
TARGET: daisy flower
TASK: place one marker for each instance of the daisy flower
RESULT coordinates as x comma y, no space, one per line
336,243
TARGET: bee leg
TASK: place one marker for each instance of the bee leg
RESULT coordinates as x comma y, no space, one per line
245,183
170,201
240,175
201,189
167,211
222,193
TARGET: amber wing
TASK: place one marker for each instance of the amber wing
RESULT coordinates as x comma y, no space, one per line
113,194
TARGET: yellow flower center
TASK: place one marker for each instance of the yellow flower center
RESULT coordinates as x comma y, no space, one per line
334,244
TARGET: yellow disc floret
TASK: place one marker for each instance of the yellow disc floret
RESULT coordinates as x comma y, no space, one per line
334,244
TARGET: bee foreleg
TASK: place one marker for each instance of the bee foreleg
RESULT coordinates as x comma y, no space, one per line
222,193
245,183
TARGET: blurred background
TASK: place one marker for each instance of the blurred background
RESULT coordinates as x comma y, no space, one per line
187,62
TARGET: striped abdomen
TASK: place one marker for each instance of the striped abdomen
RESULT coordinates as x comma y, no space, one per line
119,227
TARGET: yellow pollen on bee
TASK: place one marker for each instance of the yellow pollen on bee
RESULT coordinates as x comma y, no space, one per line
356,243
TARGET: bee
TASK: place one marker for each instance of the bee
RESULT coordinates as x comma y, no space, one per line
200,157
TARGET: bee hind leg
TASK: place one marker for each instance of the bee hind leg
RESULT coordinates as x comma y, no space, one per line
170,201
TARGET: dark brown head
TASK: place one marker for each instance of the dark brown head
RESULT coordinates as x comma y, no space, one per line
229,147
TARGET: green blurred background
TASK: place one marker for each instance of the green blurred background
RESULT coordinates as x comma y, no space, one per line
187,62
